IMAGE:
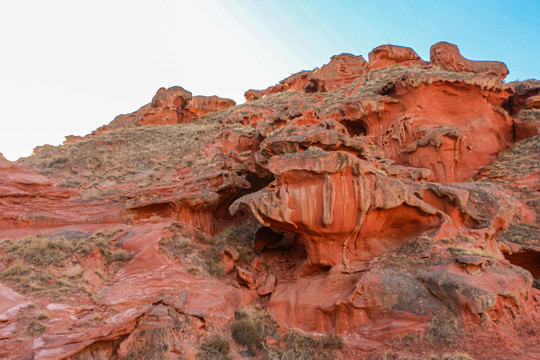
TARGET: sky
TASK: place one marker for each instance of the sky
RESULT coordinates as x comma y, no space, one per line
69,67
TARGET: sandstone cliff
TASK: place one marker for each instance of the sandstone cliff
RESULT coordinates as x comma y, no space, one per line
364,210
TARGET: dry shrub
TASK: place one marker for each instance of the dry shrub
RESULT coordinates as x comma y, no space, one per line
212,256
251,327
177,244
216,347
332,341
245,332
35,328
298,346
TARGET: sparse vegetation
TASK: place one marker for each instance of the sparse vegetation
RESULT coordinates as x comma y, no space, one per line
299,347
304,347
456,357
216,347
35,328
31,321
474,251
444,330
49,266
183,242
153,346
42,315
240,238
146,155
212,256
94,321
177,245
45,251
245,332
251,327
332,341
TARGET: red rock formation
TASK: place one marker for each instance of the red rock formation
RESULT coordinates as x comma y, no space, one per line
524,107
396,204
352,211
204,105
342,70
388,55
523,91
170,106
447,57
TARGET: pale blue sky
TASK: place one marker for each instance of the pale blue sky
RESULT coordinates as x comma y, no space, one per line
68,67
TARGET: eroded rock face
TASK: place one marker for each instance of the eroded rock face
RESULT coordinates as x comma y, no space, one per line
393,202
388,55
170,106
524,107
342,70
204,105
448,57
351,211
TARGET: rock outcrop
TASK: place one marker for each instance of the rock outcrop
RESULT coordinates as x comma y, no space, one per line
447,57
392,203
388,55
174,105
342,69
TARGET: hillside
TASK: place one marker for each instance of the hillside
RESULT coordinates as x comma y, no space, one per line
377,209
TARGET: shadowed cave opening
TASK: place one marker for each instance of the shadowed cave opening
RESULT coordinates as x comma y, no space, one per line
528,260
314,86
221,216
355,127
257,183
272,244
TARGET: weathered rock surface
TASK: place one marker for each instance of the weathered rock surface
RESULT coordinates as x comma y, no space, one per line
174,105
342,70
392,202
388,55
448,57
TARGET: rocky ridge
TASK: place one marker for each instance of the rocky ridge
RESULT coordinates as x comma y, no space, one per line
392,204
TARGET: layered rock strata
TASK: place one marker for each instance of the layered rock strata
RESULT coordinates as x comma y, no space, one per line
392,202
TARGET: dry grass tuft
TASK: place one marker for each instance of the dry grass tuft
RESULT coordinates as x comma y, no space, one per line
35,328
332,341
216,347
153,346
177,245
241,238
456,357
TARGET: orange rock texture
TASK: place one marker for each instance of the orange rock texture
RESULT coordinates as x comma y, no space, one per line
363,210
